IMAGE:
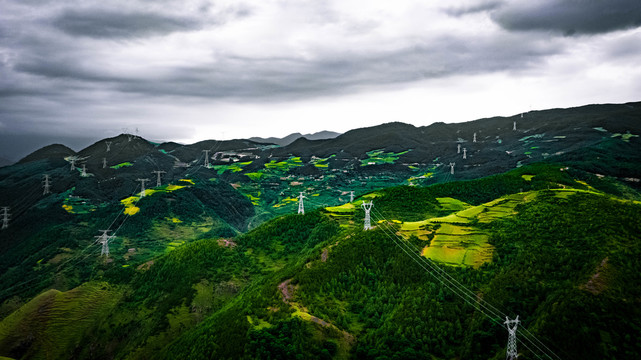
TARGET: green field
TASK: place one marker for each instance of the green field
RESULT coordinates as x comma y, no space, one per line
121,165
378,157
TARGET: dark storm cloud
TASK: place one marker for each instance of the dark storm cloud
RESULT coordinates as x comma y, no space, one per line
473,9
569,16
283,78
114,24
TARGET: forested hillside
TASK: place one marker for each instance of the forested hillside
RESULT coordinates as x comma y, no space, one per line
235,249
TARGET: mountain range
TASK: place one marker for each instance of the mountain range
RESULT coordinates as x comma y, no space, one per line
213,255
321,135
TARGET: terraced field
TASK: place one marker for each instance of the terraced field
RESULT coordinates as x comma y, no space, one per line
453,239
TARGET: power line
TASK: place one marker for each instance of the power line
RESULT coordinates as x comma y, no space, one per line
461,291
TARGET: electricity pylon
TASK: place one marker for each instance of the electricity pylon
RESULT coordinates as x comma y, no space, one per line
142,186
5,217
84,171
103,239
351,196
367,207
104,163
46,185
474,138
452,168
108,143
514,127
464,153
206,158
458,148
301,207
511,353
158,172
73,160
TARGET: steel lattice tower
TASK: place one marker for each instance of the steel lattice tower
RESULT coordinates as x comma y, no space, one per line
452,168
206,158
464,153
5,217
351,196
158,172
367,207
46,185
511,325
458,148
142,186
103,239
108,143
301,207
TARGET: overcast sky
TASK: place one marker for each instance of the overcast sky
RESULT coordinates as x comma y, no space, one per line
76,71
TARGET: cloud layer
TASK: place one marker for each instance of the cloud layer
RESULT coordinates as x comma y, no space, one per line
101,66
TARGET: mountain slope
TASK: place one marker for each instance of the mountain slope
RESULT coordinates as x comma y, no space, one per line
318,286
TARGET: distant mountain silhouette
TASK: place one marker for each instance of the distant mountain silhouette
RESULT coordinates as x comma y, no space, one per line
321,135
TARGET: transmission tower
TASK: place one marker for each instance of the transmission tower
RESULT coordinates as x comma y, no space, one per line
452,168
351,196
206,158
301,207
474,140
158,172
103,239
84,171
458,148
514,127
367,207
46,185
108,143
72,160
5,217
104,163
511,341
464,153
142,186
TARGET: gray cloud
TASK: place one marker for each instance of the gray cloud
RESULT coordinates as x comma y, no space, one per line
123,62
115,24
569,16
458,11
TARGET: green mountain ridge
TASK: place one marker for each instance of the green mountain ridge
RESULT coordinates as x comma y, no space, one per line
215,262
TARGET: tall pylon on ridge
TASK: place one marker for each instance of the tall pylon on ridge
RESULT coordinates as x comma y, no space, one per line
351,196
158,172
46,185
73,160
511,325
5,217
452,168
301,206
206,158
368,208
104,163
464,153
108,143
474,140
142,186
104,239
514,127
458,148
84,171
